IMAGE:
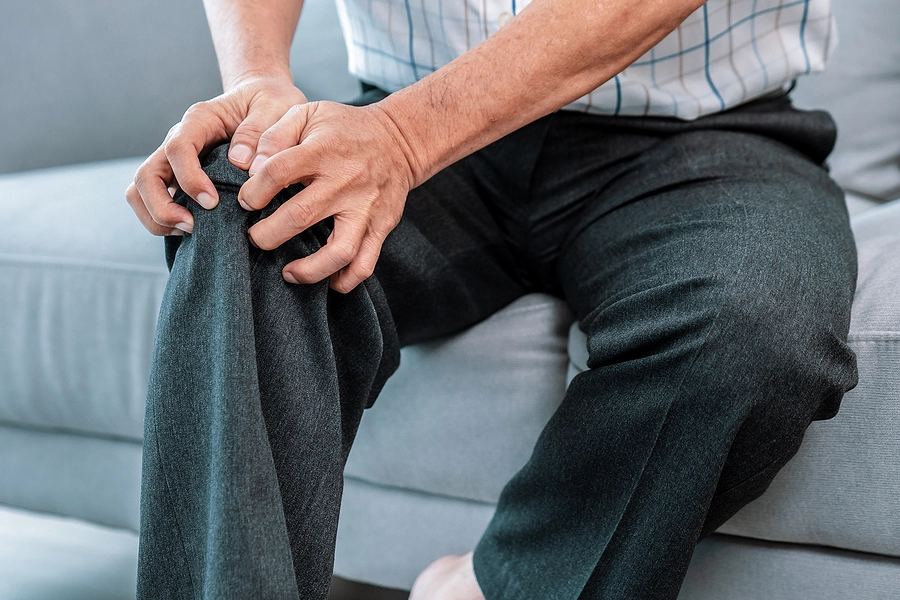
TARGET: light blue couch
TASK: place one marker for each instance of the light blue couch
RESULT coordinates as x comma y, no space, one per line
80,285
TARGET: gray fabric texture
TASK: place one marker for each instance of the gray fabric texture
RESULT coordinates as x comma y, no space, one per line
731,568
90,478
54,558
861,87
411,528
81,286
421,431
104,79
319,56
387,535
97,79
256,389
841,488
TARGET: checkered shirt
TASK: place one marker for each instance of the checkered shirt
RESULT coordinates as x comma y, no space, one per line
725,53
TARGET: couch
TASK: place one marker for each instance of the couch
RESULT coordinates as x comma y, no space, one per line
91,86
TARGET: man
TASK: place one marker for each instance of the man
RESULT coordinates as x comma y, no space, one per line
677,202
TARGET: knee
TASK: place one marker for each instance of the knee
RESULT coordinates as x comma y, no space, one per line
783,356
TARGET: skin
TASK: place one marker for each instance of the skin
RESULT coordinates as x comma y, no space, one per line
359,164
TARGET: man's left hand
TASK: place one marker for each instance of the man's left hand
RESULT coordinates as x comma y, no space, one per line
356,167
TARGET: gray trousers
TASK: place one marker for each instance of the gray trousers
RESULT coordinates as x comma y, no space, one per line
710,263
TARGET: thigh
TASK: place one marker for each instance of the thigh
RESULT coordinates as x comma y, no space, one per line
449,263
729,255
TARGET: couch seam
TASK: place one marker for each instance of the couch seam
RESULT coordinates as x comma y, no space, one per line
417,490
58,262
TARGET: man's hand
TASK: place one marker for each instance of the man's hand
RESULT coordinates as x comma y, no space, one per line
356,168
241,114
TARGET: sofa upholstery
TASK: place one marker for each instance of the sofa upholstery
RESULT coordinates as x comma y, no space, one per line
81,282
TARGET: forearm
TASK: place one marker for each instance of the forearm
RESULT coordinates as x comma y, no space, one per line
252,38
552,53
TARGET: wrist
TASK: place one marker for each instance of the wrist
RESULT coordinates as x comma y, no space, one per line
247,76
413,151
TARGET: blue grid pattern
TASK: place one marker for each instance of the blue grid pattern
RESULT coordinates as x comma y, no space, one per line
725,53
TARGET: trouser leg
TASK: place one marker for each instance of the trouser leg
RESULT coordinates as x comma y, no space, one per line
713,275
255,392
257,386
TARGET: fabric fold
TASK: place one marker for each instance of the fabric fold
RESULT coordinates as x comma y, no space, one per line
256,390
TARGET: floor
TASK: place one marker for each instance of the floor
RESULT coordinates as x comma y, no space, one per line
45,557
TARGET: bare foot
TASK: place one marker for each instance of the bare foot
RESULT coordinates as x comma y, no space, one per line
447,578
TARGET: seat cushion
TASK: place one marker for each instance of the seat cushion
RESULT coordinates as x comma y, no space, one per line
841,489
80,287
461,415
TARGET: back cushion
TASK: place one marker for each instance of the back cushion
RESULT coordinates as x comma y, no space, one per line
861,89
84,80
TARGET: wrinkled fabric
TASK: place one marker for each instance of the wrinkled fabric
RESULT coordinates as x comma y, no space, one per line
244,444
710,264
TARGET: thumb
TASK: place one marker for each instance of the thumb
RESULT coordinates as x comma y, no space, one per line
245,140
284,134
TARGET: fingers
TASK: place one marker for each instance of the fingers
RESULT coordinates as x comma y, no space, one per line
341,249
294,216
137,205
151,200
283,134
200,128
360,268
247,136
347,258
278,172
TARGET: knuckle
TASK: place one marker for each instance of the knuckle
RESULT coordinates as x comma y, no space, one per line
195,108
278,171
365,266
297,110
363,270
382,229
174,145
173,131
267,140
131,195
392,223
299,214
343,251
140,179
250,129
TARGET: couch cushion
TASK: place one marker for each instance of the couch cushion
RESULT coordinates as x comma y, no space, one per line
841,489
86,477
80,286
461,415
861,89
88,80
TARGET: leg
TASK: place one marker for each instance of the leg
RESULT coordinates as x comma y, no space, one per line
257,386
713,276
236,502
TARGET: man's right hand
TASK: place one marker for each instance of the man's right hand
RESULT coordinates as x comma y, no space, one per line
241,114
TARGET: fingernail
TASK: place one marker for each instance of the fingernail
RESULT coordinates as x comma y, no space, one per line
240,153
289,277
184,227
257,163
176,233
206,201
244,204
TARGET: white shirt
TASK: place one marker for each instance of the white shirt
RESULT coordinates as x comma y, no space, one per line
725,53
